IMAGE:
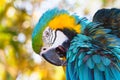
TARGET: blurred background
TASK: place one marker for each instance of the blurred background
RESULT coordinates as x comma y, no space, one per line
17,20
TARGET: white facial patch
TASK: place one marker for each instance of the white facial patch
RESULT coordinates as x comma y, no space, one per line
60,38
48,36
53,38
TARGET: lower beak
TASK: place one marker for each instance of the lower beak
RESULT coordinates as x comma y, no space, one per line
51,56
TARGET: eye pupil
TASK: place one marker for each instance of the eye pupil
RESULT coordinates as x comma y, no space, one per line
47,34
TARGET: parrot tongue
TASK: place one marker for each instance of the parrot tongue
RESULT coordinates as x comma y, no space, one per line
53,57
61,51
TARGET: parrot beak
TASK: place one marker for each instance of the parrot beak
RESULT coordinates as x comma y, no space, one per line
56,55
51,56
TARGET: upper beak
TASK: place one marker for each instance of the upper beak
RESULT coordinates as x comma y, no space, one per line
53,57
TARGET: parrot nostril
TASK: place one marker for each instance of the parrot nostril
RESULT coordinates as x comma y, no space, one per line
44,48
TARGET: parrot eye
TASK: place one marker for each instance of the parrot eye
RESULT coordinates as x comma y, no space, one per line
47,34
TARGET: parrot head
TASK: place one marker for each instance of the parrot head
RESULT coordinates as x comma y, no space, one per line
52,35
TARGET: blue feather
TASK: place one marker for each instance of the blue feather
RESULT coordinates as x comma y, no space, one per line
90,63
98,75
105,61
71,47
106,30
75,50
90,52
100,66
81,70
116,50
72,58
80,58
96,58
107,74
69,71
86,73
115,72
68,54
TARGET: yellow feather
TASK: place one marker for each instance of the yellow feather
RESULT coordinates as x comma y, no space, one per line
64,21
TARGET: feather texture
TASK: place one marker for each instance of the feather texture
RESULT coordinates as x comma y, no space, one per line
92,55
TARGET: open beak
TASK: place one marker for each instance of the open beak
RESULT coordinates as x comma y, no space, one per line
54,56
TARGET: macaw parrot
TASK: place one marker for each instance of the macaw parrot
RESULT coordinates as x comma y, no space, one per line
90,50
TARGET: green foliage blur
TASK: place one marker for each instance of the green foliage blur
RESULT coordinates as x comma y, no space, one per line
17,59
